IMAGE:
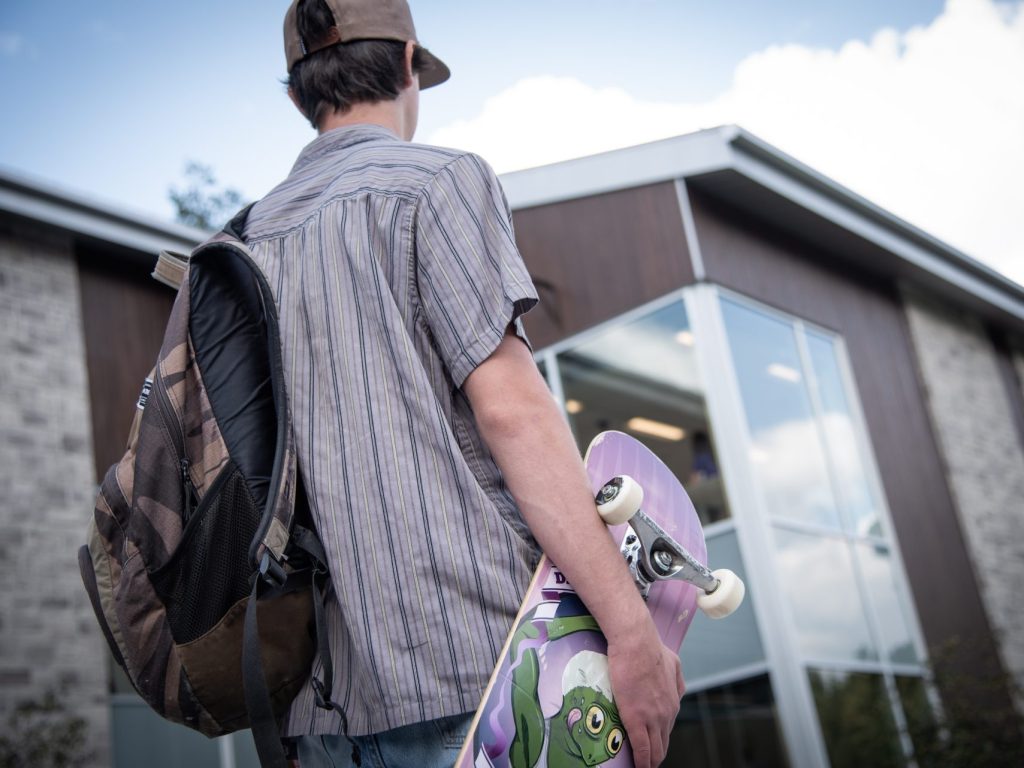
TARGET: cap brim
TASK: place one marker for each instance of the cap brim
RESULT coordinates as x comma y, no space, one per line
434,71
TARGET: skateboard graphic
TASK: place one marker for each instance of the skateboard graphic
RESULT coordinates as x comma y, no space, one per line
549,701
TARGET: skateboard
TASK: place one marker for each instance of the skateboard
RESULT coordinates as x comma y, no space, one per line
549,701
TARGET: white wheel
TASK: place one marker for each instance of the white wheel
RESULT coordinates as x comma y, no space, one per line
726,598
619,500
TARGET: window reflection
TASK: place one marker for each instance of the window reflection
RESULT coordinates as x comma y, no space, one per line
641,378
715,646
733,725
856,720
880,582
848,467
922,723
833,561
137,730
818,581
787,453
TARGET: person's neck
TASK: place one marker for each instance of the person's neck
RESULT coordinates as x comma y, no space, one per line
386,114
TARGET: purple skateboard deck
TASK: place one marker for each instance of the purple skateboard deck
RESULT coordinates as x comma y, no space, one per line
549,702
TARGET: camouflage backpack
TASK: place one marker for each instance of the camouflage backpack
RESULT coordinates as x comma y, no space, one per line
201,564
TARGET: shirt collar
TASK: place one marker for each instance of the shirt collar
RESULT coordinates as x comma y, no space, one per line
342,138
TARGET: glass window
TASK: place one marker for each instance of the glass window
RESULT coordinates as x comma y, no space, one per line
817,578
245,751
641,377
118,681
921,722
880,582
856,720
731,726
786,449
861,509
137,730
811,461
716,646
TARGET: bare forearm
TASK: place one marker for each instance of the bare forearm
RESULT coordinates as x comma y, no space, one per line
536,453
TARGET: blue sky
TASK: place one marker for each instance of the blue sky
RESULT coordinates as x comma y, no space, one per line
112,98
115,83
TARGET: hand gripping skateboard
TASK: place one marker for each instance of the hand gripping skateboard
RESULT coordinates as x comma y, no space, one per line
549,701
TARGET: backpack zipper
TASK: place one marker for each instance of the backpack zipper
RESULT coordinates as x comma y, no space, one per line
176,443
188,491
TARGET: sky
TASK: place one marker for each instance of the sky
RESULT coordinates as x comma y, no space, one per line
917,105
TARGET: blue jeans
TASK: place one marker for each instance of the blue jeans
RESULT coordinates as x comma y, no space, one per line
433,744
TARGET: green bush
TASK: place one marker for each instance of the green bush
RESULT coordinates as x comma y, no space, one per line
43,734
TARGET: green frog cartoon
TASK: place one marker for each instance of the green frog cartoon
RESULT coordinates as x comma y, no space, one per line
587,729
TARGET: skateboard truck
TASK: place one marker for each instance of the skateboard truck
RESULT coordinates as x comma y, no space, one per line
653,555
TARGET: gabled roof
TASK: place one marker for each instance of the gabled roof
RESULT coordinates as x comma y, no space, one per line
766,183
78,215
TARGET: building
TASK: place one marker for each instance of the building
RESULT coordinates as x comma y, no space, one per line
841,393
81,324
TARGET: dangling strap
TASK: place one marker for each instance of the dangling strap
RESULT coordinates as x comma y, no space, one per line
323,686
307,541
270,581
257,697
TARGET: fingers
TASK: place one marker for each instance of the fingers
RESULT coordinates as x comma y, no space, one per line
640,743
645,700
658,743
639,740
649,746
667,733
669,723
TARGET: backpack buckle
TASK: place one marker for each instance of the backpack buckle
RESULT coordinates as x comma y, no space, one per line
272,571
320,693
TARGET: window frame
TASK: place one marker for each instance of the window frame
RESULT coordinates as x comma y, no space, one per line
787,667
764,550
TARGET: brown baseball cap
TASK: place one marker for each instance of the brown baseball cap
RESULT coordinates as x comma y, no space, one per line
362,20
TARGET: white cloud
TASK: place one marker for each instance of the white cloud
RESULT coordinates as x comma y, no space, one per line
928,123
541,120
790,462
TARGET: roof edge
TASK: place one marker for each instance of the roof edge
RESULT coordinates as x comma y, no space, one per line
677,157
732,149
33,198
751,145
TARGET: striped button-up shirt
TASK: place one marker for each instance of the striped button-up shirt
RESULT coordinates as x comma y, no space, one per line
395,273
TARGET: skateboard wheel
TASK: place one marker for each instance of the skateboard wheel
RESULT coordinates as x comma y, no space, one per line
619,499
726,598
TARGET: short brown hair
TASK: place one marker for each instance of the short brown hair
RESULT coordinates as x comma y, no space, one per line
336,77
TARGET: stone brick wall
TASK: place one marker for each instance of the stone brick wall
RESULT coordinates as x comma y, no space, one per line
973,420
48,635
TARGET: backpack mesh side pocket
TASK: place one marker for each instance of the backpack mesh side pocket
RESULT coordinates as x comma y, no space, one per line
197,587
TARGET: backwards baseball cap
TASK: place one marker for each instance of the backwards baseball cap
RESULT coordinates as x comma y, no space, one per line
362,20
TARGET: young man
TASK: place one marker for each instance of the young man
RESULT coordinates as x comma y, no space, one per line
434,458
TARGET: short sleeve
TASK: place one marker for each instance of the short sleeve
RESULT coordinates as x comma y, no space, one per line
471,280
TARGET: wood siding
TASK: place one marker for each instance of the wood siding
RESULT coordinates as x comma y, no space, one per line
124,312
597,257
789,275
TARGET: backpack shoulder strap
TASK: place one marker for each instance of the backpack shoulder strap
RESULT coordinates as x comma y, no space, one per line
236,226
171,266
